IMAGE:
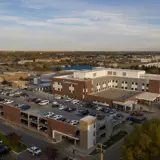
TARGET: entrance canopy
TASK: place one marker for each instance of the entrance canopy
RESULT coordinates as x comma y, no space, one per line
147,96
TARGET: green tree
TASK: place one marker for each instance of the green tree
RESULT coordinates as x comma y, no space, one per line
143,143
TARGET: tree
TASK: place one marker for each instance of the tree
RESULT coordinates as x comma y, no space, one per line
14,138
58,68
4,82
143,143
51,152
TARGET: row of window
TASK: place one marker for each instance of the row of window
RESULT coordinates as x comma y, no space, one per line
123,82
114,73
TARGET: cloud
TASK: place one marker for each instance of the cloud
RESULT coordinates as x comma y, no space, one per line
71,24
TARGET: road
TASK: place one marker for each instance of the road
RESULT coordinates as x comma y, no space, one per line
28,137
31,138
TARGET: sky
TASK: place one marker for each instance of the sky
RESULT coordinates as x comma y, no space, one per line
91,25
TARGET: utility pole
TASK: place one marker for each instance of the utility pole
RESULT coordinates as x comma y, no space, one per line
101,150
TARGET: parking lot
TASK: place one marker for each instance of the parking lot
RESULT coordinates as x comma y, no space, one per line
67,108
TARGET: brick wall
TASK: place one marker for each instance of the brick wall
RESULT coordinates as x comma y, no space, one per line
61,127
79,88
12,114
154,86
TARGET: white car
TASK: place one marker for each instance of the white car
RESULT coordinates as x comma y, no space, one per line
68,100
48,114
57,97
55,103
11,94
99,108
56,117
34,150
18,92
7,101
75,101
62,107
44,102
74,122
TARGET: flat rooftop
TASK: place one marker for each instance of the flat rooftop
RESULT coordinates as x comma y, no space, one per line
116,94
88,119
39,111
148,96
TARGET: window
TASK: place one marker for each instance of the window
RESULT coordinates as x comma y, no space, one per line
122,81
113,80
122,87
94,74
136,83
147,85
125,87
116,81
142,90
136,89
132,82
109,73
126,82
94,134
114,73
132,88
143,84
94,142
124,73
116,86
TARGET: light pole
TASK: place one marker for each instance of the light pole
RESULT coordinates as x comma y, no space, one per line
101,150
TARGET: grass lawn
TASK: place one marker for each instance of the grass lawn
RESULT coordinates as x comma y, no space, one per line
111,141
16,148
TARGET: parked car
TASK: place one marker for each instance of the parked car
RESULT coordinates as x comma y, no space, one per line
82,112
44,102
67,121
93,114
31,99
25,107
48,114
62,119
24,94
74,122
57,97
1,99
99,108
75,101
38,100
62,107
55,104
69,109
7,101
57,117
4,150
34,150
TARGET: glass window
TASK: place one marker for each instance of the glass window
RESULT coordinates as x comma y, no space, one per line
94,74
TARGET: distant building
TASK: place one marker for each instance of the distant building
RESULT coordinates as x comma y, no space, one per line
13,76
156,64
25,61
115,87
